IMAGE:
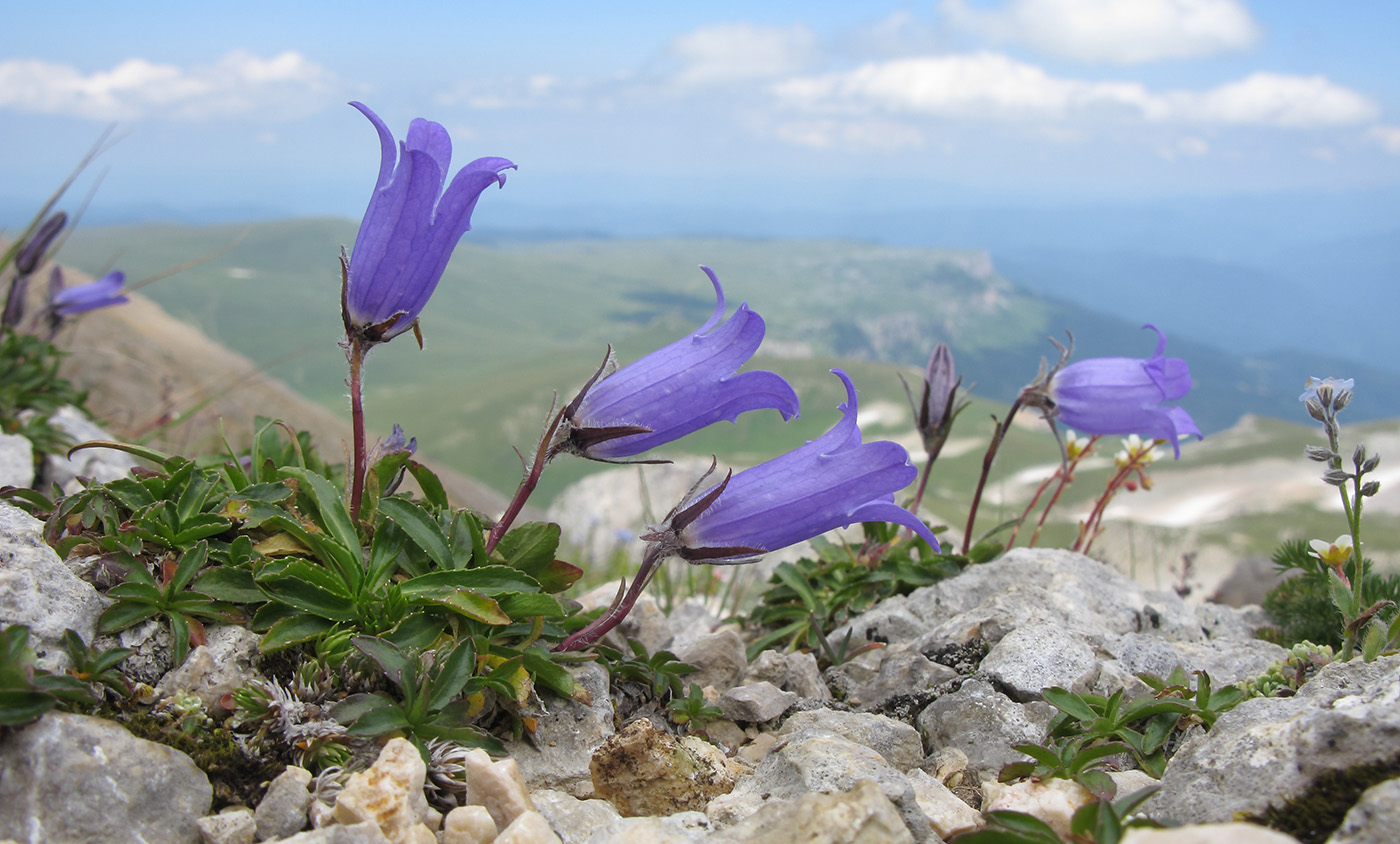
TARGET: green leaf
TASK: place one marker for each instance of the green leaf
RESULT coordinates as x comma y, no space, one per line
458,665
421,528
428,484
311,598
416,631
384,719
226,583
466,602
190,563
531,604
468,544
383,556
124,614
1099,783
395,664
788,574
530,547
550,674
1069,703
344,542
1342,596
21,707
199,527
558,576
293,630
488,580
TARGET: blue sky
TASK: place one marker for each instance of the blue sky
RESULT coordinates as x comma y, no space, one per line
776,105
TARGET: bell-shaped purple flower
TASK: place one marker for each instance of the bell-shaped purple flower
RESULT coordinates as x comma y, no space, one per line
410,228
675,390
1125,395
833,481
67,302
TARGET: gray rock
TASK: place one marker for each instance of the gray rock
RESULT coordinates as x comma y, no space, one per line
1267,752
367,832
1249,580
818,761
680,828
901,671
804,678
756,702
889,622
567,734
719,658
72,778
282,811
99,464
215,669
1035,657
983,723
38,591
1030,585
573,819
862,814
1374,819
687,622
896,741
231,826
16,461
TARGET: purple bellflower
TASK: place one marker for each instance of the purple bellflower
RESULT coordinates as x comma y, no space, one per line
832,481
67,302
410,228
1124,395
675,390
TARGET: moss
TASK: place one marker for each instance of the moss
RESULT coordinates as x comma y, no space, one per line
1314,815
237,778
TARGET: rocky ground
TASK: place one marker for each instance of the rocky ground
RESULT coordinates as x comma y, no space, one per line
901,743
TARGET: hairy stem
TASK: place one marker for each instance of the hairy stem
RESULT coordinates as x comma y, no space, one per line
997,436
620,607
356,355
527,486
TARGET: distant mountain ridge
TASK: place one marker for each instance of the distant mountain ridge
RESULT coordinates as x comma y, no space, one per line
515,319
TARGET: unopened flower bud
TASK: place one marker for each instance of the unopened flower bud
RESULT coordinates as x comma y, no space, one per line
1320,454
1370,488
1370,464
1325,393
1358,455
32,252
1315,410
1336,477
1342,400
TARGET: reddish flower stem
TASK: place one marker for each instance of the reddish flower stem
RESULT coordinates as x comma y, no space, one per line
356,355
997,436
620,607
527,486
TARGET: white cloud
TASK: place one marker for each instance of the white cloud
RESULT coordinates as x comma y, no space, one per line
738,52
986,86
239,82
1114,31
860,135
1387,136
976,85
1187,147
1271,99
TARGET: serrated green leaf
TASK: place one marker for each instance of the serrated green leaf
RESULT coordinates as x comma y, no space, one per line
293,630
422,529
471,604
227,583
458,665
531,604
530,547
395,664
